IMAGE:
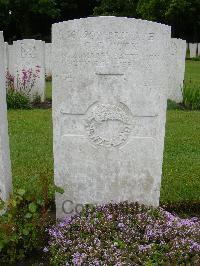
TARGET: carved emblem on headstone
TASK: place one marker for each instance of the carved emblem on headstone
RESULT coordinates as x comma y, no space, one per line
27,51
108,125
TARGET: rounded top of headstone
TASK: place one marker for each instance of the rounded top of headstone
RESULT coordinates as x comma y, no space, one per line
1,35
100,20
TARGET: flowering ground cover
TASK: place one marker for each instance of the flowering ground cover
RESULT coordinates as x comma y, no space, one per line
124,234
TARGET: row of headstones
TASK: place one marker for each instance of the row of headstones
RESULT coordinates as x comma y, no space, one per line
111,79
27,62
194,49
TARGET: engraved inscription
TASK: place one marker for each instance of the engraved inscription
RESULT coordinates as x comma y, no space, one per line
108,125
27,51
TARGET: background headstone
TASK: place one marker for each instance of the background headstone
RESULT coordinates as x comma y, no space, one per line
29,56
198,49
6,57
48,67
193,49
11,59
109,106
5,166
177,69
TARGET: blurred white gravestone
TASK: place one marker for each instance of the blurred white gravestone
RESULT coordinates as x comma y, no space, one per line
29,67
198,49
48,68
6,58
5,166
177,69
109,106
193,49
11,59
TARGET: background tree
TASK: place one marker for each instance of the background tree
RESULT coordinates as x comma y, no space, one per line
117,8
27,18
70,9
182,15
33,18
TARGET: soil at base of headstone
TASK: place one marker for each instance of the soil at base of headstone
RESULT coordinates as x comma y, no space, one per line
42,105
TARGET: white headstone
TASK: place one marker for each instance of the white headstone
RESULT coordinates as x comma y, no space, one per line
198,49
11,59
5,166
177,69
48,68
193,49
109,106
29,65
6,58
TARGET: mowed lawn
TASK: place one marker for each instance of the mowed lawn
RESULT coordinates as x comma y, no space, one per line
192,72
32,153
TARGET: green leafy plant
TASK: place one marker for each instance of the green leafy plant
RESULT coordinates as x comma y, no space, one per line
172,105
22,227
191,96
17,100
36,99
193,59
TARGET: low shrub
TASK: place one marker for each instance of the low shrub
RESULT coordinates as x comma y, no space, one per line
36,99
17,100
172,105
124,234
193,58
22,226
191,96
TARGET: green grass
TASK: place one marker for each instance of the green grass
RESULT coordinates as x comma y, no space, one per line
30,144
181,167
192,71
48,94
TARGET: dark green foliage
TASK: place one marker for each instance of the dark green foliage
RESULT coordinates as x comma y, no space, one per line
22,227
117,8
182,15
171,105
27,18
17,100
191,96
33,18
36,99
194,59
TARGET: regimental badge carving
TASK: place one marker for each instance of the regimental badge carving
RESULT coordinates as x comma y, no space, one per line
27,51
108,125
174,49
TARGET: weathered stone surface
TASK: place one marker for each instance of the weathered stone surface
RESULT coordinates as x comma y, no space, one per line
198,49
6,59
29,55
109,105
48,67
177,69
193,49
5,166
11,59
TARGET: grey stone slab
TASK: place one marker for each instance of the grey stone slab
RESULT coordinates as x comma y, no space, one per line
5,166
177,69
110,82
193,49
48,67
30,55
